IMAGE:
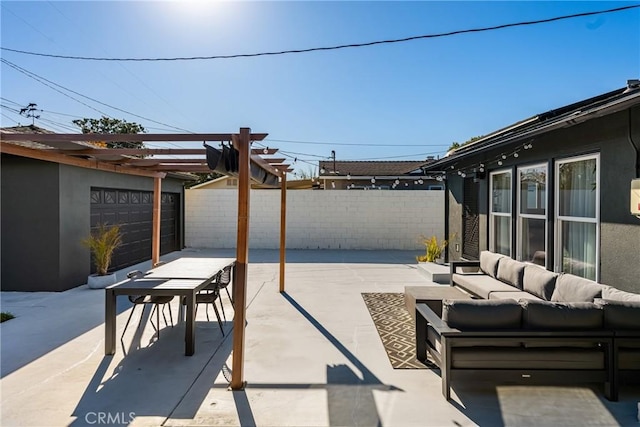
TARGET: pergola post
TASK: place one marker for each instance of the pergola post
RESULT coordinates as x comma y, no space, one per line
243,144
155,228
283,227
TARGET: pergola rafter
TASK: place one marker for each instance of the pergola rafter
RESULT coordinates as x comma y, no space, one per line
80,150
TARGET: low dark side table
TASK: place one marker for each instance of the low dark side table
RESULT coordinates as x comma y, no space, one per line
432,296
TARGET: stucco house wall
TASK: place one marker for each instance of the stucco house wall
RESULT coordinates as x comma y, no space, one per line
615,137
45,215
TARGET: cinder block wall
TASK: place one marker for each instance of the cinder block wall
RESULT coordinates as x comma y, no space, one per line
332,219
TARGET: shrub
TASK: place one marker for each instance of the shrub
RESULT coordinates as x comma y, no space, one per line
102,242
433,249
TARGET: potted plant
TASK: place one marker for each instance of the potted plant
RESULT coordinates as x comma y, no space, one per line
102,242
434,250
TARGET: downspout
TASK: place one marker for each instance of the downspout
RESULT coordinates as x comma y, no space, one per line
634,144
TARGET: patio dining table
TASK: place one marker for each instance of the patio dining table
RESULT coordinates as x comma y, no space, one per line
183,277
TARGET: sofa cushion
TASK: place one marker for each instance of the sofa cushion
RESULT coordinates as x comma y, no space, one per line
511,271
621,314
482,314
517,295
489,262
570,288
481,285
611,293
539,281
547,315
435,341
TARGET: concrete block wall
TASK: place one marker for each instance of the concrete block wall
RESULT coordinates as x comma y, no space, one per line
332,219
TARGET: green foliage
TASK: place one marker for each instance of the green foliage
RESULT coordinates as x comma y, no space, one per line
111,126
102,242
456,145
308,173
5,315
433,249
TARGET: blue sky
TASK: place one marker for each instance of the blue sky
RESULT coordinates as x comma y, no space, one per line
386,102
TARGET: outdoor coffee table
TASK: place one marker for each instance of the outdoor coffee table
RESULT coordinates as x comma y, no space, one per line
183,277
432,296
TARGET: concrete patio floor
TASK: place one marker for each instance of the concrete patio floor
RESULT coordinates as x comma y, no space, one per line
313,357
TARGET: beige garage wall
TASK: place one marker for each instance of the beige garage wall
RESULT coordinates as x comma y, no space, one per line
332,219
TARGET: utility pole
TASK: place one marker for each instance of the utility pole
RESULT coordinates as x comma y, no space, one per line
29,111
333,156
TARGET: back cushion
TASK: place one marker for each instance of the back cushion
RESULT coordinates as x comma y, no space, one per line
611,293
570,288
539,282
489,262
561,316
511,271
482,314
621,314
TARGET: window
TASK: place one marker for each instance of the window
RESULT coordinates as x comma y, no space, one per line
232,182
578,216
500,213
532,214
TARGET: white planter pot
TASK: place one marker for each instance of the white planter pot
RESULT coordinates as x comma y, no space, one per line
100,282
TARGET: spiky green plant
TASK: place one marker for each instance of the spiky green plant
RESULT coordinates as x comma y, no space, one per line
5,315
433,249
102,242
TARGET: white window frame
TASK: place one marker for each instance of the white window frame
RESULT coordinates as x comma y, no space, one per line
492,243
558,218
520,215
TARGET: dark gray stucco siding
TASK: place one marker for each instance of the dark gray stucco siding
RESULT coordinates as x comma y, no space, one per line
619,230
29,197
75,208
46,215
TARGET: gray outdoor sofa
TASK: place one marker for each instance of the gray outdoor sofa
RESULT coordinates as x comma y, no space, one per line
529,325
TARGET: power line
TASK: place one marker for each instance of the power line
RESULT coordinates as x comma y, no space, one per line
31,74
344,46
364,144
40,80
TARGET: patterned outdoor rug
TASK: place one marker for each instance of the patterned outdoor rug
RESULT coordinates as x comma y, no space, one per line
396,329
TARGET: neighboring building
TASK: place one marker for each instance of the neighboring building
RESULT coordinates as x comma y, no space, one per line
371,175
223,182
49,208
553,189
231,183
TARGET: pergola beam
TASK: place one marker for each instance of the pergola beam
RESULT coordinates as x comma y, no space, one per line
47,156
264,151
133,151
52,138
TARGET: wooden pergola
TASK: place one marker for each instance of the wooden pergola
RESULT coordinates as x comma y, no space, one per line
81,150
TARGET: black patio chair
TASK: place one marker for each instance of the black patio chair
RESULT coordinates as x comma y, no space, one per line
146,300
208,296
222,281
